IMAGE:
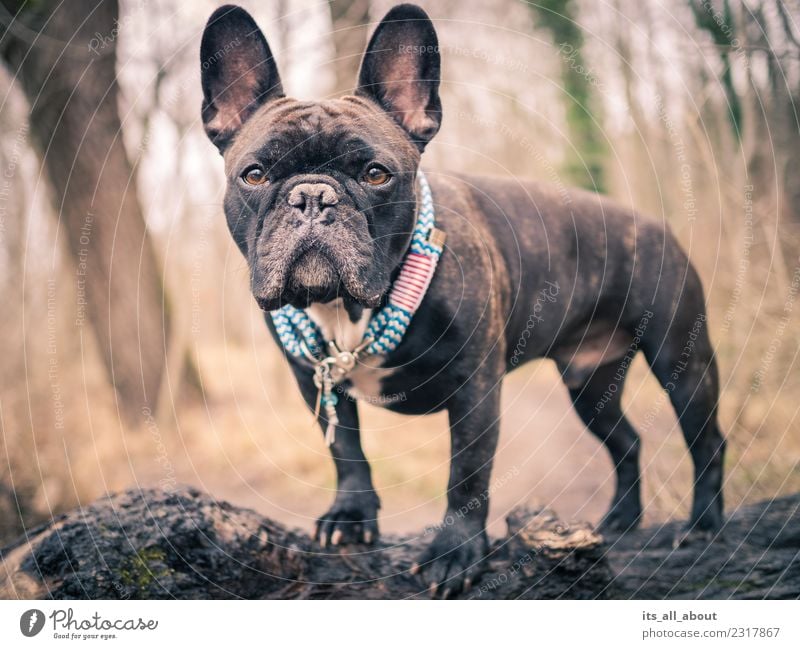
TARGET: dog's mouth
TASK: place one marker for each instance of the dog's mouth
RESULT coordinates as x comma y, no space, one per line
316,273
312,278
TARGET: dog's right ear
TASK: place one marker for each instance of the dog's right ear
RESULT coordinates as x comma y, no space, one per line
238,73
401,69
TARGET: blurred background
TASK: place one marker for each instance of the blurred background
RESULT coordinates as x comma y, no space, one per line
131,352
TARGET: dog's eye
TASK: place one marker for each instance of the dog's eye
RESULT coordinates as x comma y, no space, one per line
254,176
377,175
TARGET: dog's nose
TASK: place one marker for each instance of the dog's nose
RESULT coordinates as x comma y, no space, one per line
312,198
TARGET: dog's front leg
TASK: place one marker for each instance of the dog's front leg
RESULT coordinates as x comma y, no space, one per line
455,556
353,517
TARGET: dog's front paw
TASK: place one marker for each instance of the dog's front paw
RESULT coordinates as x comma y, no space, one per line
701,530
620,519
695,536
353,518
454,559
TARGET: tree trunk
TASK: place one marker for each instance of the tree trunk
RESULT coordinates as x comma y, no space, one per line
65,59
350,20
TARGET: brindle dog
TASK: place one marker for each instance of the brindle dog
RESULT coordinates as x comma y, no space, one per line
321,200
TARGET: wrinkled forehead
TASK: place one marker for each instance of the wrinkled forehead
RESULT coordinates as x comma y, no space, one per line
304,135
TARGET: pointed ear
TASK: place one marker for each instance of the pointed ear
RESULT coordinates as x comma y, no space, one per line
401,70
237,71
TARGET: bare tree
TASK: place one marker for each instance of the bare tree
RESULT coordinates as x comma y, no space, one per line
764,113
350,20
558,17
65,59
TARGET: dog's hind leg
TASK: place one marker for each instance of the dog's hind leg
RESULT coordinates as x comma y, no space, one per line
680,355
597,401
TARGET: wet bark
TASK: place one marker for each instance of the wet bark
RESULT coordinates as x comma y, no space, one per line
185,544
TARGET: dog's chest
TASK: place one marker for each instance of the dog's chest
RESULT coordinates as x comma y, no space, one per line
366,377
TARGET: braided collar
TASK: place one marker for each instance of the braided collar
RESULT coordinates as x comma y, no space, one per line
301,337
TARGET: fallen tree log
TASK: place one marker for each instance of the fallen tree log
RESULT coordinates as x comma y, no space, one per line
755,556
185,544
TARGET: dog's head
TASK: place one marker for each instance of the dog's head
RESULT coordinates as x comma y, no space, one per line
320,195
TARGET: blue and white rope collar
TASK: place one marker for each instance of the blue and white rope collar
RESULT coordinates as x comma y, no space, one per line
302,338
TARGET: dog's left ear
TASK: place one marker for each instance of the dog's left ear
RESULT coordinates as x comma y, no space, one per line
401,70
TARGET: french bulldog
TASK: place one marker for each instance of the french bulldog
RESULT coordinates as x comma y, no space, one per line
321,200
